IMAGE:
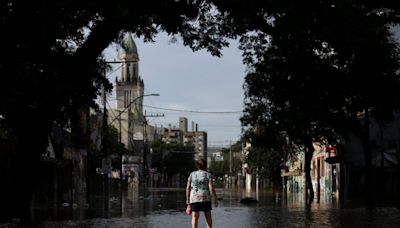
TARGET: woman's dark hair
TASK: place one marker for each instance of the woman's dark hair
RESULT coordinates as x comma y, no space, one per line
200,164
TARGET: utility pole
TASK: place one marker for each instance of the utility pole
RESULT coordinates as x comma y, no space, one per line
89,156
243,177
121,183
230,157
120,127
105,154
118,117
120,141
105,127
145,145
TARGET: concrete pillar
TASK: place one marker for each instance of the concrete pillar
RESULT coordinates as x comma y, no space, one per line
248,184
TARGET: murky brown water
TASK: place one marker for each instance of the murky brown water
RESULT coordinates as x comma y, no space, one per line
165,208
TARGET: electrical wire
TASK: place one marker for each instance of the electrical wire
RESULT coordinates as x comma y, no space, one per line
115,70
194,111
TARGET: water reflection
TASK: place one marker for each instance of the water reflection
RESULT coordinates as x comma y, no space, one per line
164,207
154,200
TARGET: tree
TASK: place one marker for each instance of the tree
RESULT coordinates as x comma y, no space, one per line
51,65
268,150
115,148
173,158
63,55
319,69
220,168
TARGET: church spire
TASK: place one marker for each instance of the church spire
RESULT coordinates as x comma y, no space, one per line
129,86
128,47
130,59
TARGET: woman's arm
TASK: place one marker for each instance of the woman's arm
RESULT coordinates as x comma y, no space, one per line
188,191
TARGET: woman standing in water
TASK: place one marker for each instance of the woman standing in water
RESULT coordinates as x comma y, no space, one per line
198,193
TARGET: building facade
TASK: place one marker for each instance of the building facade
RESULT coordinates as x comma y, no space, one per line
181,135
128,117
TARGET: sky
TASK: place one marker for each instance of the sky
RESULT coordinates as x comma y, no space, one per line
191,81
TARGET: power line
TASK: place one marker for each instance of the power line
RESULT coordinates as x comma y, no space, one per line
194,111
221,126
112,72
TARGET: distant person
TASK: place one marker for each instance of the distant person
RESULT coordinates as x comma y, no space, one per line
198,193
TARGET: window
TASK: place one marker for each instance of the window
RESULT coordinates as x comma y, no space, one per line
128,73
126,98
134,70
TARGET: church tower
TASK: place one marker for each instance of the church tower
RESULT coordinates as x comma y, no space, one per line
129,86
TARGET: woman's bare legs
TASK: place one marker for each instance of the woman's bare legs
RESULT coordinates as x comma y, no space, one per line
207,214
195,219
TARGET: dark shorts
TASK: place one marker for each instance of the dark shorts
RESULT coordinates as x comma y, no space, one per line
201,206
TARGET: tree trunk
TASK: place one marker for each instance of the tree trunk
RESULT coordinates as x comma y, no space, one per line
308,154
18,190
20,174
20,178
367,160
398,173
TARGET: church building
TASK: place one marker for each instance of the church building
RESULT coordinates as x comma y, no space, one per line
128,117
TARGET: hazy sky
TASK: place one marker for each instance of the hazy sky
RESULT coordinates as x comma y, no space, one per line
193,81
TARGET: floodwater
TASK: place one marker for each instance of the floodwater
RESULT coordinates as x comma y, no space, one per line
163,207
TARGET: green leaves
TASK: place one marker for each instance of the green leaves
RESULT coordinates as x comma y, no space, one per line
317,59
51,63
173,158
318,66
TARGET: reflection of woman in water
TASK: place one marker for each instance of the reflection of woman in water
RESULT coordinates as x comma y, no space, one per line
198,193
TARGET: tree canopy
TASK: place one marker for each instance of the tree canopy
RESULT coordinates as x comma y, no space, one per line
321,69
317,55
173,158
325,62
51,67
221,168
50,59
325,65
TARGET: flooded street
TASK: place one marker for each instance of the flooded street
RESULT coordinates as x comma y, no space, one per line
165,207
